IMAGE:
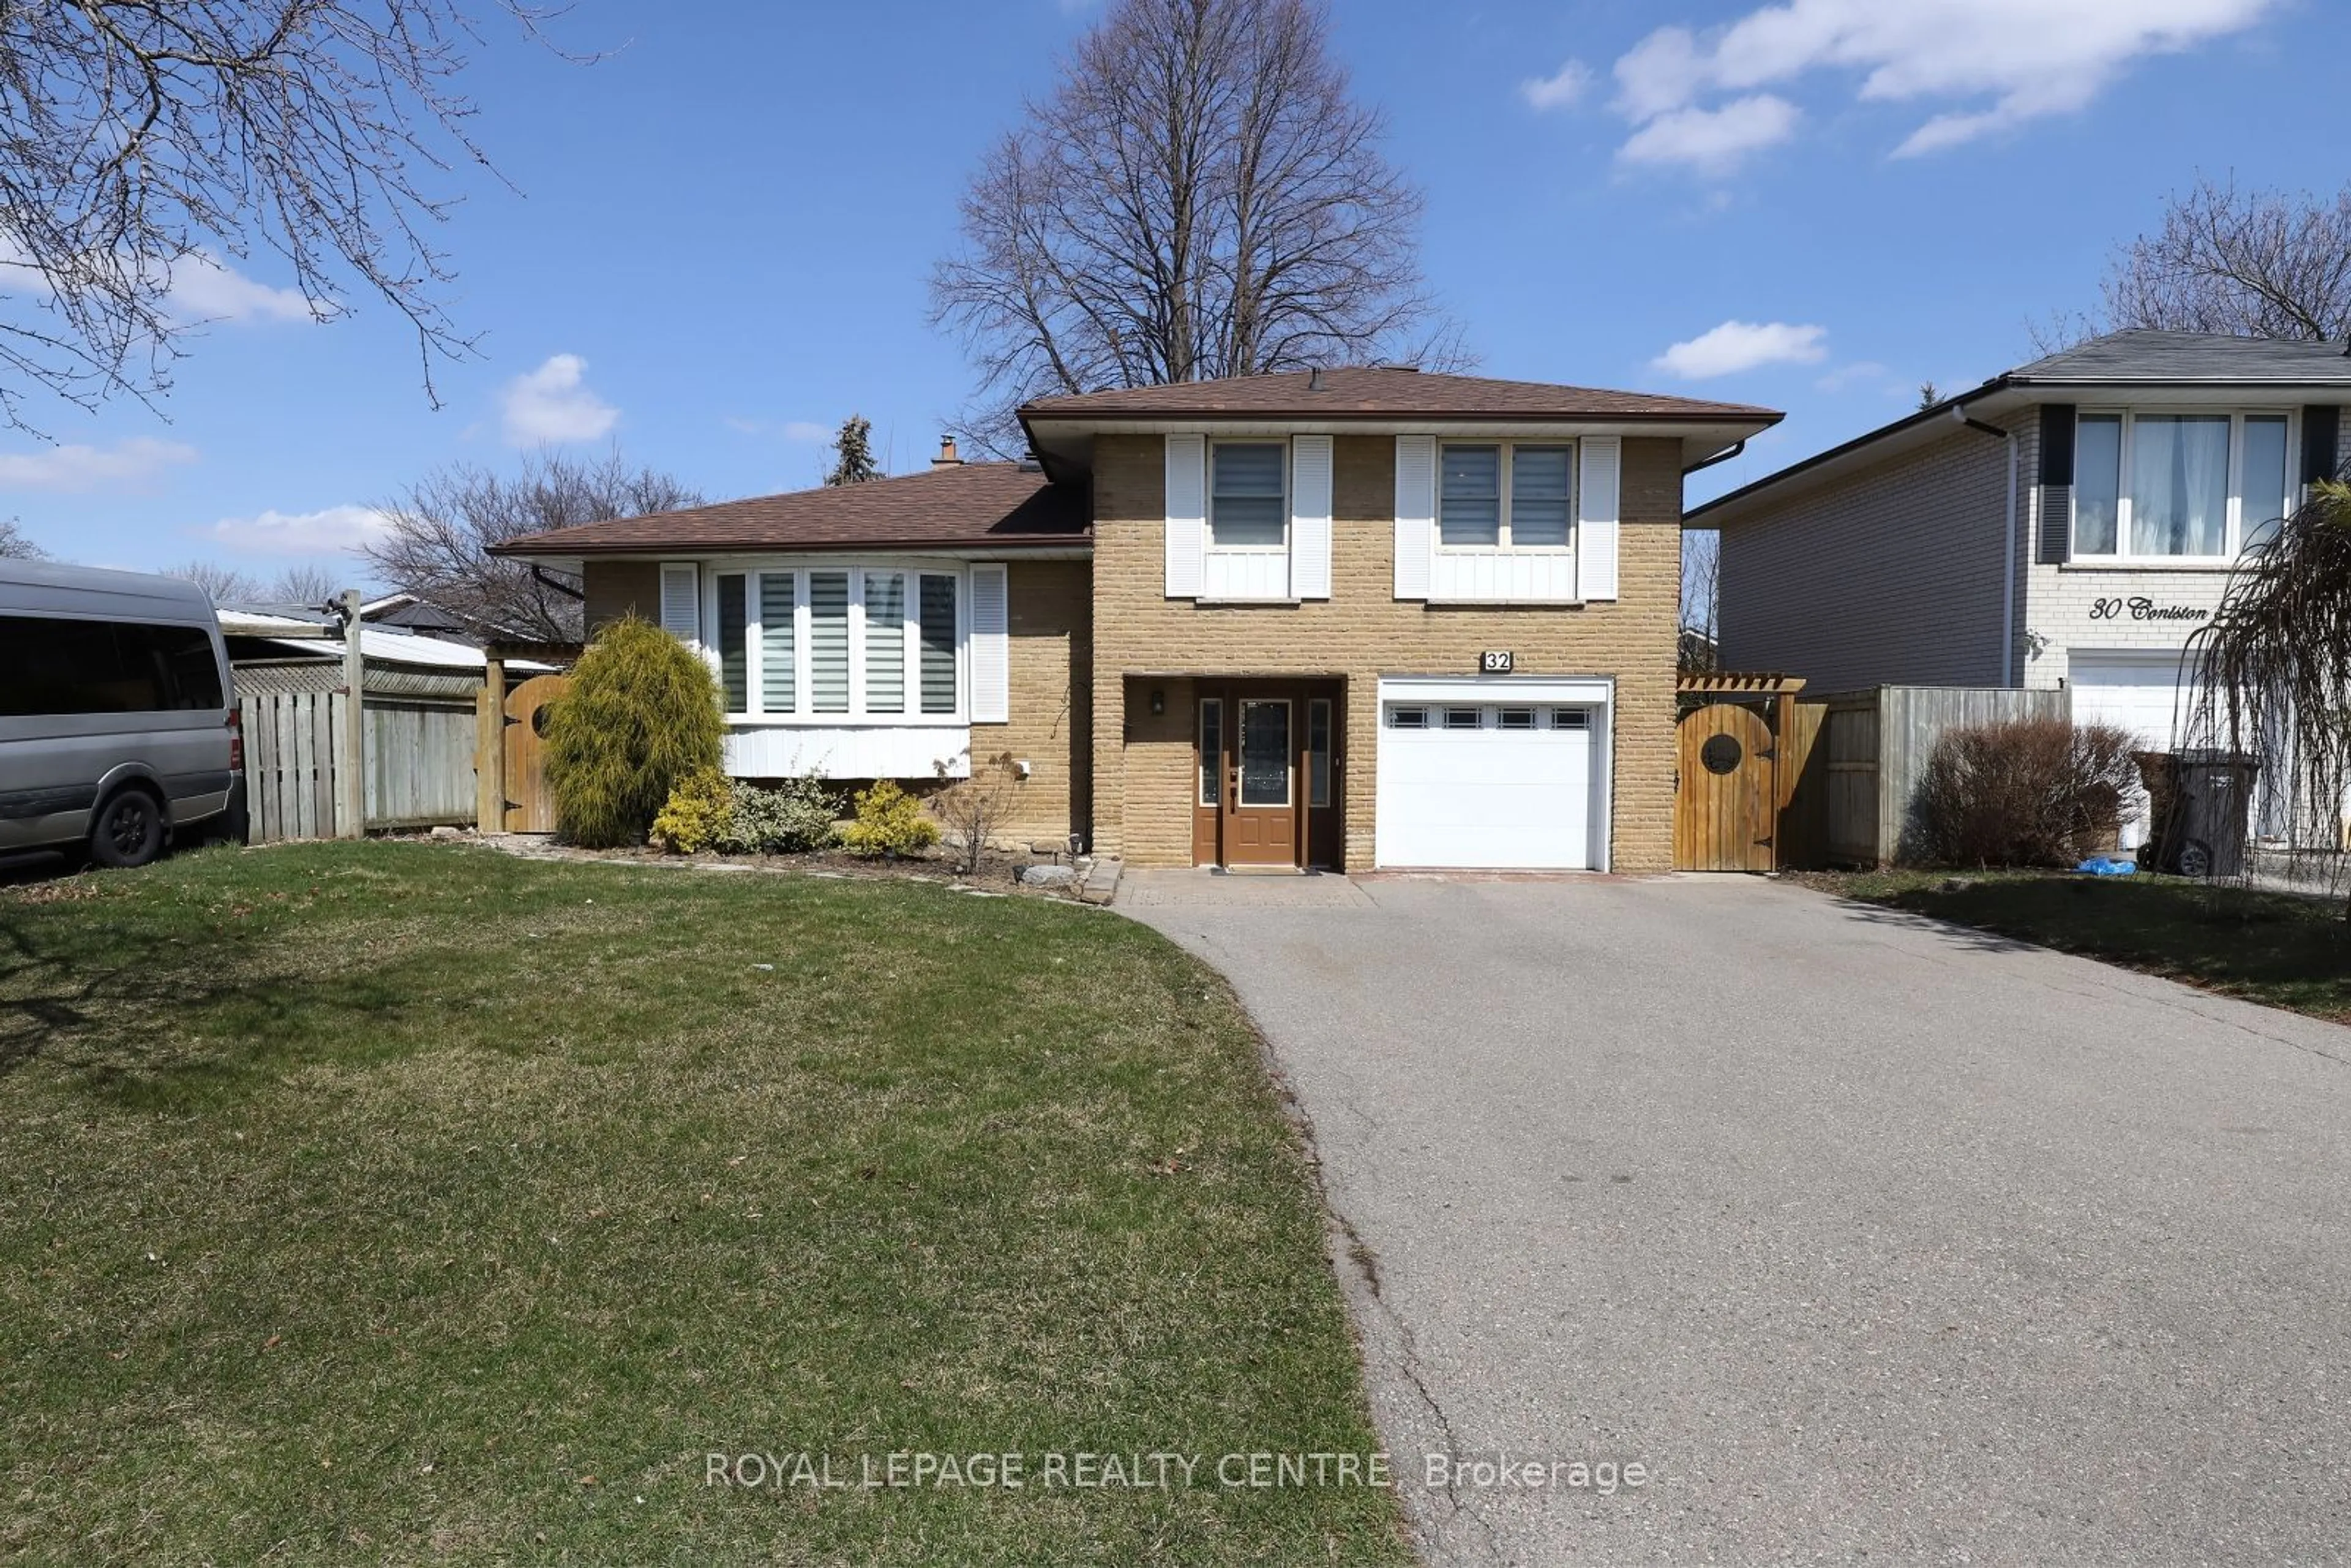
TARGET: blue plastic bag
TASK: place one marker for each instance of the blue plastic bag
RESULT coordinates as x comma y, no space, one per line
2107,866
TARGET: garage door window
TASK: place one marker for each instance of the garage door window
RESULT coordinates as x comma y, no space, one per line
1517,719
1461,718
1408,718
1571,718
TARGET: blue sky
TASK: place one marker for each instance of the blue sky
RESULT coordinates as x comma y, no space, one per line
719,233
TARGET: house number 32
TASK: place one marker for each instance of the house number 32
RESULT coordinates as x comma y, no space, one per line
1495,662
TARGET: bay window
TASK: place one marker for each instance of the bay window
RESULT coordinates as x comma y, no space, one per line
838,643
1504,496
2183,485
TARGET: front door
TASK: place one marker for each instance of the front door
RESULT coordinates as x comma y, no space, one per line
1261,793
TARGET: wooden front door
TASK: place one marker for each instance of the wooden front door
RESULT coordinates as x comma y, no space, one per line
1267,774
1727,807
1262,812
530,805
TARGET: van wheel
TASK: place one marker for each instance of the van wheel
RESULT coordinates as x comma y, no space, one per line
129,830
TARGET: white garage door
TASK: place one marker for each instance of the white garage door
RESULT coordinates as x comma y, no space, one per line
1499,786
2137,692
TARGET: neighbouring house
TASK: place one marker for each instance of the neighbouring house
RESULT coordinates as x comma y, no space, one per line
2068,524
1344,618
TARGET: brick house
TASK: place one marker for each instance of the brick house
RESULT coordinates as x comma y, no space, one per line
1347,619
2068,524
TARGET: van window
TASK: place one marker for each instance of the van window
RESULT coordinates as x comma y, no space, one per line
58,665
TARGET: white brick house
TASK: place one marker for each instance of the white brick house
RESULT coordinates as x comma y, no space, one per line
2068,524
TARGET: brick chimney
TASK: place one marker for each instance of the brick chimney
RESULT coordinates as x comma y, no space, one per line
946,457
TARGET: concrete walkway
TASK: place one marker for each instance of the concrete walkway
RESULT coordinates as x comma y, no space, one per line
1863,1235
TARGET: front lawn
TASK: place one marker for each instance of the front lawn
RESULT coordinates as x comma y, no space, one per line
2269,947
392,1201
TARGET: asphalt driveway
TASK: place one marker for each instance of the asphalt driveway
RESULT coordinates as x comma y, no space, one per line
1862,1234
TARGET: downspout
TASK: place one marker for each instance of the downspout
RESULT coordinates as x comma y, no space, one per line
2008,547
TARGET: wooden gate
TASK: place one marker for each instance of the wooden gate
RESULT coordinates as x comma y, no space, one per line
1726,811
529,806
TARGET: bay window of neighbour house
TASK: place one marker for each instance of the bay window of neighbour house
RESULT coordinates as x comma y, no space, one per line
2153,486
784,644
1504,496
1248,505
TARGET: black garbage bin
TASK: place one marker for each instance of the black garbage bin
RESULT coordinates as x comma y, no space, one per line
2199,803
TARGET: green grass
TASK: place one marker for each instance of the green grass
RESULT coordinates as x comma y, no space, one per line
384,1201
2269,947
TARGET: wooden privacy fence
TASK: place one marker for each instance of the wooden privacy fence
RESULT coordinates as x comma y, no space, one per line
418,750
1851,765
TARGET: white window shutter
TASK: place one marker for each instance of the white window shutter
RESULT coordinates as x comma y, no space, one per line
681,602
991,646
1310,517
1415,514
1188,513
1595,517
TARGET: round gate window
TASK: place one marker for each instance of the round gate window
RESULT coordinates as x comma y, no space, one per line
538,724
1721,753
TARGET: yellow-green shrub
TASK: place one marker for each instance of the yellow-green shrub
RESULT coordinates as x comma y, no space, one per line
888,823
642,713
698,812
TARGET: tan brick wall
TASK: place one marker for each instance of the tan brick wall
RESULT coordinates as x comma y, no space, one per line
1142,796
1051,621
614,587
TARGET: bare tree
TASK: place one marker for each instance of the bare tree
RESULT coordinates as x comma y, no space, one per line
1696,652
14,546
305,584
1198,197
143,143
437,537
2256,264
224,584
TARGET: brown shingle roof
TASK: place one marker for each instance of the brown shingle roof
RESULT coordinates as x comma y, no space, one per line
1378,393
975,506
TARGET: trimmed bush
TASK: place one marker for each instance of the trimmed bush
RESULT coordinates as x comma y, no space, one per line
640,716
2027,792
698,812
888,823
790,819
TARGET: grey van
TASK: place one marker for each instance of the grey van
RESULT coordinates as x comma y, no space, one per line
118,723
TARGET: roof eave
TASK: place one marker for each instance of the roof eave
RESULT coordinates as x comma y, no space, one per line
545,546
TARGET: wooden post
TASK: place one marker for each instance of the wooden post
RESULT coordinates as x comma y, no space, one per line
351,759
490,748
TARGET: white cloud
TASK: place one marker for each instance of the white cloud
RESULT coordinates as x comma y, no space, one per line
1560,89
1738,346
1713,140
299,533
553,403
205,289
2000,63
126,466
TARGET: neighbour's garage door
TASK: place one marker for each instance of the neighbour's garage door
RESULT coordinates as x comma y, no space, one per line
1487,785
2139,692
